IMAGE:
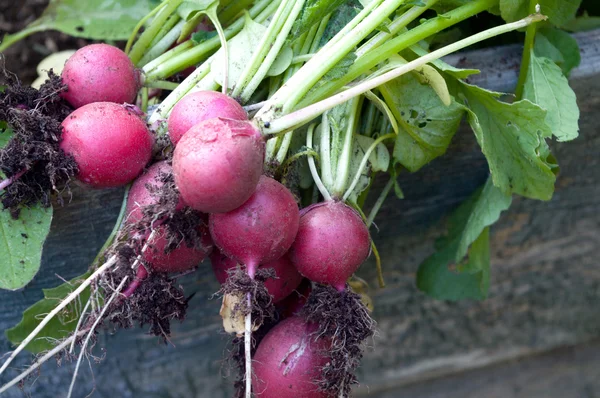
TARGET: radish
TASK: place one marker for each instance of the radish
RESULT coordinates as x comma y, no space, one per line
199,106
110,144
262,229
145,190
331,244
288,361
169,248
100,73
218,163
286,281
293,303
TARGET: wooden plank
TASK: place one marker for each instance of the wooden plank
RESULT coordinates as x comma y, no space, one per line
567,372
544,289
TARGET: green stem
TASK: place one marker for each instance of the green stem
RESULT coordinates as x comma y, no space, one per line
325,149
363,164
212,15
527,50
298,155
233,10
393,46
163,44
345,158
141,23
382,196
184,87
146,38
265,48
9,40
173,20
171,63
312,167
144,99
162,84
304,115
394,27
294,89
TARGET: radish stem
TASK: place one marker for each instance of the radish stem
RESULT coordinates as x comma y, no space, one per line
295,119
363,164
313,168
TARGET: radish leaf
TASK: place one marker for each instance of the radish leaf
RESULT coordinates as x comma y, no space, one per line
466,246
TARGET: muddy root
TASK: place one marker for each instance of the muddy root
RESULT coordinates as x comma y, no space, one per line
34,117
344,319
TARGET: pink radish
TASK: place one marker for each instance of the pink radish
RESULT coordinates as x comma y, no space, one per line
261,230
100,73
288,361
198,107
218,163
110,144
332,242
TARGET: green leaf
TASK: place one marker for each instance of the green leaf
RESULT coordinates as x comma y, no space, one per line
60,326
241,47
92,19
312,13
582,24
563,43
379,160
426,124
201,36
189,9
192,12
21,240
510,136
466,247
549,88
558,11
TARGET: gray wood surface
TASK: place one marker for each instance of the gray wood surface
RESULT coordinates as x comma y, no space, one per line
544,294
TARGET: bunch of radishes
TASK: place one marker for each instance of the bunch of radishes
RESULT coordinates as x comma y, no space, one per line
217,166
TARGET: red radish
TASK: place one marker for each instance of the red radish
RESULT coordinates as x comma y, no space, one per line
199,106
332,242
143,193
100,73
218,163
279,288
288,361
261,230
292,304
110,144
181,258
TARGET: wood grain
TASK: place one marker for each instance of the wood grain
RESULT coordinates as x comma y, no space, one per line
544,294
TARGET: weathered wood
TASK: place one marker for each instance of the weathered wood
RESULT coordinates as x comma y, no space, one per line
567,372
544,289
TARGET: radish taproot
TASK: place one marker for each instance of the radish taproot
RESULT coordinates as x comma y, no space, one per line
110,144
332,242
288,361
100,73
286,281
218,163
198,107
